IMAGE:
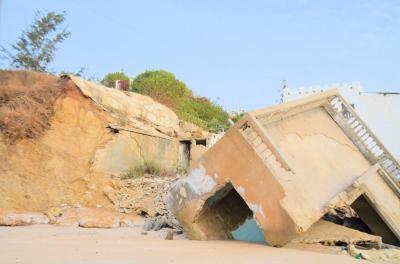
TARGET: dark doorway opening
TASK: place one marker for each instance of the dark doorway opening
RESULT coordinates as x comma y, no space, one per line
201,142
184,154
226,216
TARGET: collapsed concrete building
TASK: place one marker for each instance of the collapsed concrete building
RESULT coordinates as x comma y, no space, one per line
281,169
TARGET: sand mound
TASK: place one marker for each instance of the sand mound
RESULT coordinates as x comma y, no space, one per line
26,103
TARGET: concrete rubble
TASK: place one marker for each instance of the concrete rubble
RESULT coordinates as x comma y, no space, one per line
388,255
9,217
146,196
141,202
279,170
330,234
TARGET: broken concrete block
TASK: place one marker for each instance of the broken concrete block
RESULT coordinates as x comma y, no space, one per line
89,217
20,218
131,220
285,167
330,234
387,255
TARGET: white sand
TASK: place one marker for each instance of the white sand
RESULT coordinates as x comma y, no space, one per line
62,245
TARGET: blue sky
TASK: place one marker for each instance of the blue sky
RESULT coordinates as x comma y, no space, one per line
234,52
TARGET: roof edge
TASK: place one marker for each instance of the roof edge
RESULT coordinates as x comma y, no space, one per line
312,99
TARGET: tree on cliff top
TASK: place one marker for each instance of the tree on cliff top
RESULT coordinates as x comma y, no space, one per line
36,47
162,86
166,89
110,78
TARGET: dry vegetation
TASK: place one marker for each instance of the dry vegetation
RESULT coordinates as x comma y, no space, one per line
149,168
26,103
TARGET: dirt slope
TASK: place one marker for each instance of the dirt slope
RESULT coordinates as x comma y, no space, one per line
53,168
56,144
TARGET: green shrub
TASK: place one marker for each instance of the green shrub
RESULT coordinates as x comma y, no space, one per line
110,78
166,89
162,86
204,113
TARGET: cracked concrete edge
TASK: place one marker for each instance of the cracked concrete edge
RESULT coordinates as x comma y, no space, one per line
198,187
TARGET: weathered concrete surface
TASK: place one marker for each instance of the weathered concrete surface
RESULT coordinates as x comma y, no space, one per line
330,234
388,255
82,217
126,150
380,110
291,164
196,152
95,218
130,107
10,217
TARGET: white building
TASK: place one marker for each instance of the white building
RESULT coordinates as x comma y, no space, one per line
380,110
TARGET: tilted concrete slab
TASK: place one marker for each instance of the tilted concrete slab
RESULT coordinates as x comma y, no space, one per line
379,110
287,166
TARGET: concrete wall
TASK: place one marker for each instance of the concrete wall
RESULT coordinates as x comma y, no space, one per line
231,160
130,149
380,111
323,159
386,204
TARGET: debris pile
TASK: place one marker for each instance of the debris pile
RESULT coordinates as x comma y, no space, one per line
143,195
146,196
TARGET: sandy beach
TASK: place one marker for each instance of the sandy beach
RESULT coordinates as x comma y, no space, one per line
50,244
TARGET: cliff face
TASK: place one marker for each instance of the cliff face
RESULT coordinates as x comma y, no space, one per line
55,168
94,134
